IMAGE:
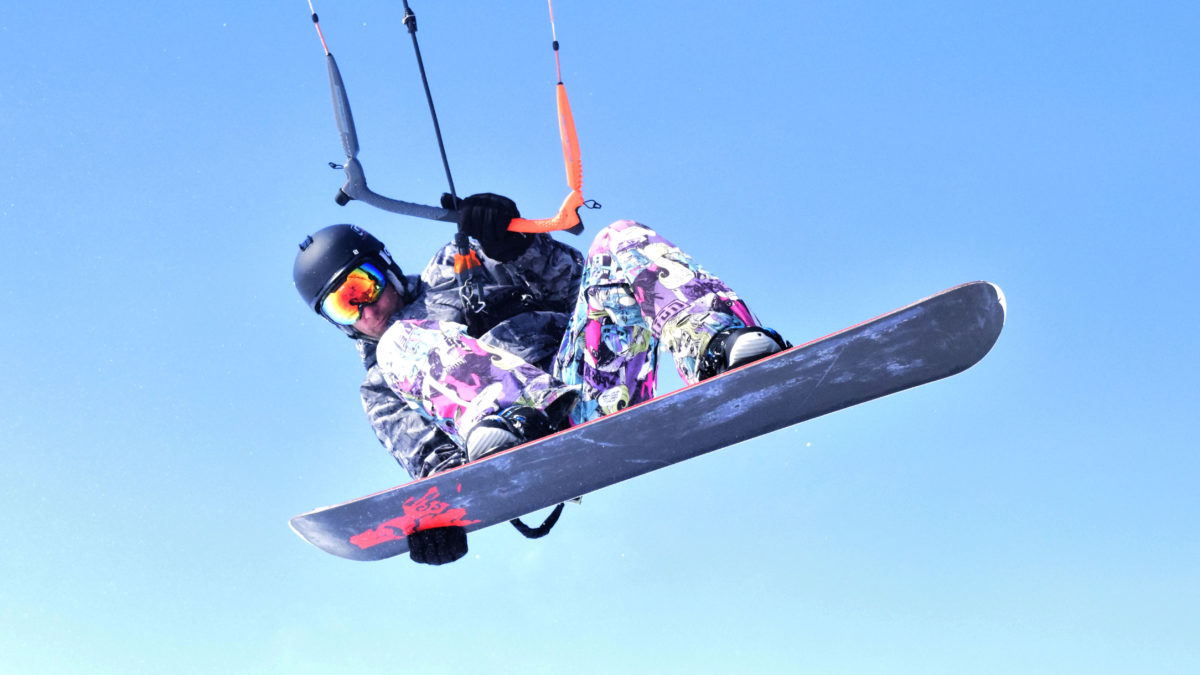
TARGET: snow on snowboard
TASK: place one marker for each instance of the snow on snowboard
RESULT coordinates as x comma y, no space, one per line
934,338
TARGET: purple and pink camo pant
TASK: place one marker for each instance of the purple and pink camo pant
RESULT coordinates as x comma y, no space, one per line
638,289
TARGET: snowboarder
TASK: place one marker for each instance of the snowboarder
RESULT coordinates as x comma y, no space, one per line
563,340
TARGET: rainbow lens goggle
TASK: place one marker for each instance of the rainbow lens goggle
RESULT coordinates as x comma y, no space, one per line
362,286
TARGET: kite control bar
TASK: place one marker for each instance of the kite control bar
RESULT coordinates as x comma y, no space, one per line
356,188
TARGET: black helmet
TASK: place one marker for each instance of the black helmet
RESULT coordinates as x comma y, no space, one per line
330,253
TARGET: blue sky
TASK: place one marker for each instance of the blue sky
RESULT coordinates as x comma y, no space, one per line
167,403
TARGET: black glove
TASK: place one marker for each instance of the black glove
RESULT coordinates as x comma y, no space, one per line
438,545
486,217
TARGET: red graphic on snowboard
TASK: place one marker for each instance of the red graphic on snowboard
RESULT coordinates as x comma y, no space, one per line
420,513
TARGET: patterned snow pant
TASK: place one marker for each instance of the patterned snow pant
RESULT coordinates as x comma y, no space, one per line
638,290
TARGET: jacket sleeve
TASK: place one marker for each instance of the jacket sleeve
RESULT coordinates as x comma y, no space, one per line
412,440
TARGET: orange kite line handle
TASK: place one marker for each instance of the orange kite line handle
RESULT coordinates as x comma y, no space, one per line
568,214
566,218
570,142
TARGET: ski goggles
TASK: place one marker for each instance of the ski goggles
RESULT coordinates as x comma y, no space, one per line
362,286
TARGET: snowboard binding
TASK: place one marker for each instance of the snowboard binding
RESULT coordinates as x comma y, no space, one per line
514,426
736,347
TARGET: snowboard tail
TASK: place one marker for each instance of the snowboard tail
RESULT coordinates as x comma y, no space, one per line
926,341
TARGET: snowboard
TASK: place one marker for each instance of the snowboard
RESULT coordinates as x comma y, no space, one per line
928,340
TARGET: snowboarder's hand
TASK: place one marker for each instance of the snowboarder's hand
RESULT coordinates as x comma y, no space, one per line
438,545
486,217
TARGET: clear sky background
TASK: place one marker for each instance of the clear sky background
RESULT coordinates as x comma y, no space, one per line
167,403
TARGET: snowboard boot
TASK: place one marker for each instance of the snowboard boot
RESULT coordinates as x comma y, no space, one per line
737,347
513,426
